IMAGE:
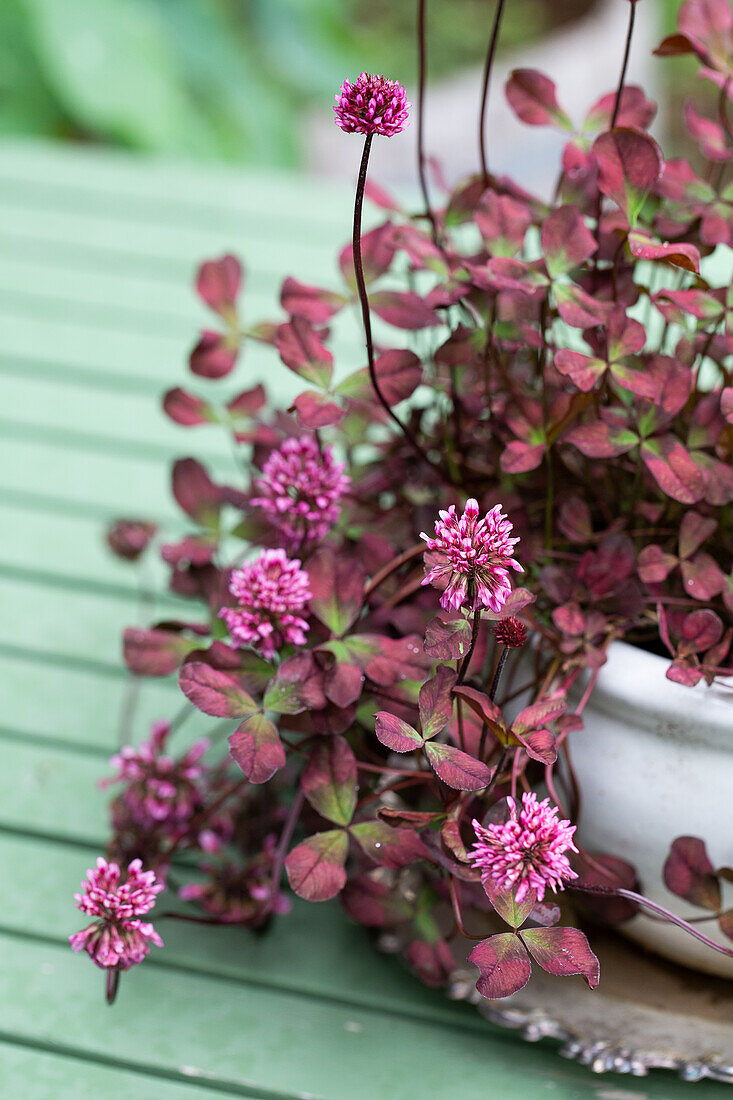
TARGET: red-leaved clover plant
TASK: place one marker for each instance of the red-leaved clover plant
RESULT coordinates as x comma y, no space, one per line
400,613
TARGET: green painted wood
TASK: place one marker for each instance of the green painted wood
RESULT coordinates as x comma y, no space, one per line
130,419
164,191
77,552
86,703
127,240
284,1043
85,479
49,1075
52,792
71,622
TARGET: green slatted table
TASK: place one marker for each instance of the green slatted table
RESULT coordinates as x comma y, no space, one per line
96,314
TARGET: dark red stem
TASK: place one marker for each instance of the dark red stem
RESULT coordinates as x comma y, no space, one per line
285,837
364,302
485,91
625,64
647,903
113,984
421,72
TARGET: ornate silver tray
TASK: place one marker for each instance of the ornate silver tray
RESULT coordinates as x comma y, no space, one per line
646,1014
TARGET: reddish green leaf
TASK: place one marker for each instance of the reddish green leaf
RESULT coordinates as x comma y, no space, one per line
337,585
301,350
218,283
519,457
583,370
629,163
674,470
214,692
566,240
562,952
503,963
689,874
634,110
507,908
315,410
487,710
373,903
450,834
256,748
602,440
344,684
502,222
396,734
456,768
387,846
578,308
538,714
244,405
409,818
195,492
155,652
447,639
598,869
215,354
315,868
399,373
187,409
436,701
377,253
296,686
403,309
329,780
655,565
539,745
678,254
533,98
311,302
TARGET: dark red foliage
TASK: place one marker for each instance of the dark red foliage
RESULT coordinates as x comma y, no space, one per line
571,360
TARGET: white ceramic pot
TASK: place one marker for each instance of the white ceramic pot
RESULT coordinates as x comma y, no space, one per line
655,761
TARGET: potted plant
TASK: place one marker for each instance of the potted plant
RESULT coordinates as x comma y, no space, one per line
441,572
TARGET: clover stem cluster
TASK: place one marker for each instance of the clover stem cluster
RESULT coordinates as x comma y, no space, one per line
324,648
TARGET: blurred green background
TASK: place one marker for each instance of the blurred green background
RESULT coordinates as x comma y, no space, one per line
226,79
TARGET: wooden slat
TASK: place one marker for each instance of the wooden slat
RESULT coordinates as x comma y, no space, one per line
167,192
86,480
53,792
49,1075
122,237
70,547
50,700
73,623
132,419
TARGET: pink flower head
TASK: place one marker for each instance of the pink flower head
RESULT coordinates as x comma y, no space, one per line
372,105
300,489
160,790
527,852
469,558
269,591
117,938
